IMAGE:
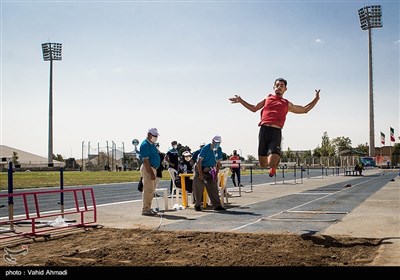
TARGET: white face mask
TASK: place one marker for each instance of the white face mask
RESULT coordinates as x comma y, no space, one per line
153,139
175,146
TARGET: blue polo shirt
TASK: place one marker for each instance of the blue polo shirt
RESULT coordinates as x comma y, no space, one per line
148,150
209,156
195,155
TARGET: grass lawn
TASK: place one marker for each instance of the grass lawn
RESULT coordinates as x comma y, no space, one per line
75,178
71,178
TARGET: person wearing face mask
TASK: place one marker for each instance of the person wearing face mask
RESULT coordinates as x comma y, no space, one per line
150,162
274,109
206,173
172,157
185,166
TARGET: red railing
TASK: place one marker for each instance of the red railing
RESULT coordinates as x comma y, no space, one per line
82,199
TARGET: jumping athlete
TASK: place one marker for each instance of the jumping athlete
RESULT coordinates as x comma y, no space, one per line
274,109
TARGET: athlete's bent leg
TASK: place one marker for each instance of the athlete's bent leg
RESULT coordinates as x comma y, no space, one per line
263,160
273,161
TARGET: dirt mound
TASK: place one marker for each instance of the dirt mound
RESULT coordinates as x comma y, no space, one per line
138,247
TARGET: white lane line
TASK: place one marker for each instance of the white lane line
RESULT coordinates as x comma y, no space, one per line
290,209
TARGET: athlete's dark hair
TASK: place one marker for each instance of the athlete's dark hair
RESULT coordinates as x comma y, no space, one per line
281,80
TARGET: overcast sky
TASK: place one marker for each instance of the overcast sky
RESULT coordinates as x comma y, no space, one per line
131,65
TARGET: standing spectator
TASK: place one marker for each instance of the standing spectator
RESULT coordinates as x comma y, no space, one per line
206,174
360,168
235,168
172,158
150,162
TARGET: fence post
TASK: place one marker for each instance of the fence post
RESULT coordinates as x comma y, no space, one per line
251,179
62,193
10,191
301,173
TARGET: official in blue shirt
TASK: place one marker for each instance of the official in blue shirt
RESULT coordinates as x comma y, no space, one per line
206,173
150,162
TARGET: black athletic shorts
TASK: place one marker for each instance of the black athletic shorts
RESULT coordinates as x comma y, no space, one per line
269,140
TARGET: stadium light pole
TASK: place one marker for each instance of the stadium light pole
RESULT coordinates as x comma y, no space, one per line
83,163
370,17
51,51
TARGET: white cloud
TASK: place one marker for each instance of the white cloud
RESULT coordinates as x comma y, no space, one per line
319,41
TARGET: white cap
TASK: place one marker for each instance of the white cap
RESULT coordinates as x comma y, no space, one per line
217,138
153,131
186,153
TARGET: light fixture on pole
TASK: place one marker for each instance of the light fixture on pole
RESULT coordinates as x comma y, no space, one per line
370,17
51,51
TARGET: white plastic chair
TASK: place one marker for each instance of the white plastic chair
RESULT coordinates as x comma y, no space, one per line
222,180
164,192
175,191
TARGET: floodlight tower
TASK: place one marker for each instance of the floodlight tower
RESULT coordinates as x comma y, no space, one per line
370,17
51,51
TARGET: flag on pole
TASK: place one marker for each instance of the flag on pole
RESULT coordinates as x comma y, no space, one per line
392,134
382,138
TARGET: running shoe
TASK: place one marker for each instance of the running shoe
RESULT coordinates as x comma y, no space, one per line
272,172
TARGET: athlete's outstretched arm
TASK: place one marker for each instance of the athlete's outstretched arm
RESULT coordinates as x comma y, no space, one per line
298,109
251,107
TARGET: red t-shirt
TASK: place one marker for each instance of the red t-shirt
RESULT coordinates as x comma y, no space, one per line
235,161
275,110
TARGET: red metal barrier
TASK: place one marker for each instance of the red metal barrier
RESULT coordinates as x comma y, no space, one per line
82,199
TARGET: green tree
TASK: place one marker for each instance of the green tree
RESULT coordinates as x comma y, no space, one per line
363,148
71,163
341,144
58,157
250,159
396,149
288,154
15,158
317,152
326,149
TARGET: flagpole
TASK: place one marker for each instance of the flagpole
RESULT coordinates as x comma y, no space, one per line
380,149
